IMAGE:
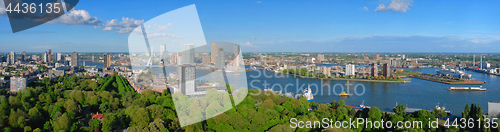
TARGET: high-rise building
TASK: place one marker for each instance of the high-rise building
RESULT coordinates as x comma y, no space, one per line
74,59
350,69
387,70
179,59
44,57
236,50
17,83
374,71
164,54
49,56
173,58
221,62
58,57
12,57
8,60
23,56
205,59
107,61
213,52
187,79
188,54
326,71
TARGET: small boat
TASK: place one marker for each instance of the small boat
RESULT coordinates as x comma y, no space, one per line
467,89
344,94
361,106
442,108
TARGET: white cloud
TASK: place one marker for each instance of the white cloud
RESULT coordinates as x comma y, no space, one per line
258,2
248,44
396,5
77,17
161,28
365,8
2,9
125,26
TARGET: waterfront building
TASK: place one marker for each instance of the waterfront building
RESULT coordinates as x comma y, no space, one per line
107,61
173,59
213,52
374,70
17,83
236,50
74,59
187,79
350,69
485,65
326,71
386,70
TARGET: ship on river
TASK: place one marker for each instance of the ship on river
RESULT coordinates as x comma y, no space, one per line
480,88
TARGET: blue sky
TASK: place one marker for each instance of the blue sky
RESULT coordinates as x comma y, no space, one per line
279,26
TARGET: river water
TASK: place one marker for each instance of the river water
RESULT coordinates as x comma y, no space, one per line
416,94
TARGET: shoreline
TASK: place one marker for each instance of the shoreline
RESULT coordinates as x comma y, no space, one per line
452,83
350,79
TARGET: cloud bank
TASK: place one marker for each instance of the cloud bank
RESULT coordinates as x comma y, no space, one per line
396,5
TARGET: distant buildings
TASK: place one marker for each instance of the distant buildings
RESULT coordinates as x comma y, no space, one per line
164,54
107,61
374,70
213,52
74,59
387,70
187,79
350,70
321,57
173,58
17,83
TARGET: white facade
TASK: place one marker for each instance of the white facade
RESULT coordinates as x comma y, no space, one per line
350,69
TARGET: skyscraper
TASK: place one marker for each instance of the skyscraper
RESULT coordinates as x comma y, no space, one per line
374,71
213,52
107,61
44,57
221,62
49,57
205,59
58,57
173,58
34,57
387,70
164,53
236,50
23,56
12,57
187,79
74,59
188,54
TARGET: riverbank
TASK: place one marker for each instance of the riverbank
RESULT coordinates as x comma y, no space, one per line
467,82
355,79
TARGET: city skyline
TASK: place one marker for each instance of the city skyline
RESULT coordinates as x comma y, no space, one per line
329,26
